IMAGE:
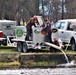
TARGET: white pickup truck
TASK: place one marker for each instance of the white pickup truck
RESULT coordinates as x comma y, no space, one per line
67,31
7,32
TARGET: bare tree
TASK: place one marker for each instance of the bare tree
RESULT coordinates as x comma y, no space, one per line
70,6
14,9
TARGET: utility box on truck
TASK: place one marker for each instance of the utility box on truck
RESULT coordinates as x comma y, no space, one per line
8,31
37,36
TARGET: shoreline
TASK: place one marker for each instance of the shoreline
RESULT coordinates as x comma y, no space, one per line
34,60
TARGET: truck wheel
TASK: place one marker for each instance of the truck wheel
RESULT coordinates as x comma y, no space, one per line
73,45
4,42
24,47
19,46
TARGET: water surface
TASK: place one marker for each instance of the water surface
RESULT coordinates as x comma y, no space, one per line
38,71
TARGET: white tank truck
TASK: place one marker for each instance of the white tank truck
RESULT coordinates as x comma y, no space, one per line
7,32
37,39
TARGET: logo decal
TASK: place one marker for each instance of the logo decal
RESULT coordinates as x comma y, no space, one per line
19,32
36,31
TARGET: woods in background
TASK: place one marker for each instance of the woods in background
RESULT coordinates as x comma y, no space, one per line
25,9
17,9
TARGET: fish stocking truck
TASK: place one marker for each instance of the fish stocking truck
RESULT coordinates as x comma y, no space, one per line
7,32
36,40
67,32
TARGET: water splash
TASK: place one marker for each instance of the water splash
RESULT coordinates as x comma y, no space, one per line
70,63
65,56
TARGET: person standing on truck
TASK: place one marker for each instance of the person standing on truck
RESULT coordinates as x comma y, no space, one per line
29,25
48,31
48,37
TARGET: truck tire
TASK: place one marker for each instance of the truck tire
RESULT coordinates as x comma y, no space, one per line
19,46
25,47
73,45
4,42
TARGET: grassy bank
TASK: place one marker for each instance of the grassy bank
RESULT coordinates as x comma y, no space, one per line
10,58
7,49
14,64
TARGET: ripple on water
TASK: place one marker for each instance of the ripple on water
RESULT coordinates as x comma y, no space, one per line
37,71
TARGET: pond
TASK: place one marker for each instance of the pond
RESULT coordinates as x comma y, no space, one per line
38,71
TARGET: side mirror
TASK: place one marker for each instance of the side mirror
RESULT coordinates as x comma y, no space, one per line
54,30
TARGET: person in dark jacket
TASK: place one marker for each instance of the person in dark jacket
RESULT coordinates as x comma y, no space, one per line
48,30
29,25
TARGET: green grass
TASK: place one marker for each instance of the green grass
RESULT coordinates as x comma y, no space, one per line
6,50
14,64
44,63
37,64
70,52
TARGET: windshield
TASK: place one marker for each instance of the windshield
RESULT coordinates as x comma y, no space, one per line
60,25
